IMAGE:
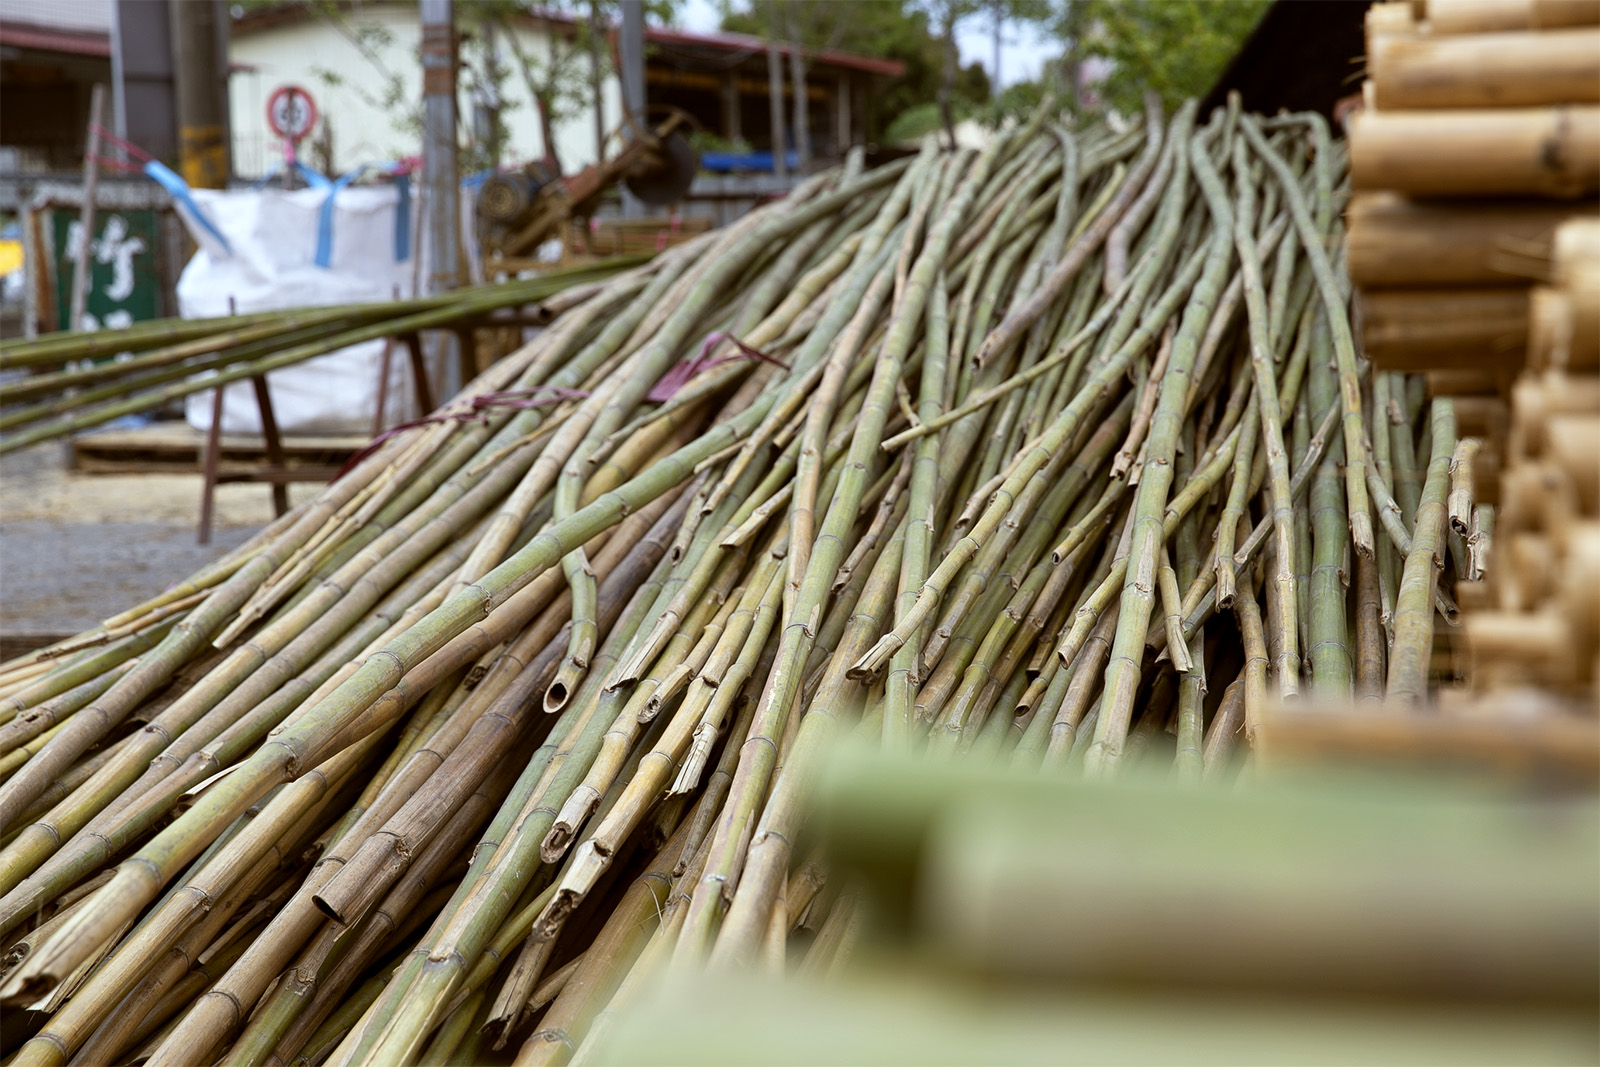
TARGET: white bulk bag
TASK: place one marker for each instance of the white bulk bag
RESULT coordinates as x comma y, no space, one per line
269,262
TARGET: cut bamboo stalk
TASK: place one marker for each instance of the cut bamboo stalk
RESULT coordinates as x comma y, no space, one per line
1494,16
1397,242
1553,152
1545,748
1451,329
1465,383
1394,18
1511,649
1564,326
1489,70
1574,444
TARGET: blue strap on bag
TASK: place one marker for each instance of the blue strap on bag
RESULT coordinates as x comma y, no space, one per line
178,189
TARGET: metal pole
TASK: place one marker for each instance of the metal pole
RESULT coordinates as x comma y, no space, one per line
145,98
780,162
630,47
119,92
202,96
440,180
81,264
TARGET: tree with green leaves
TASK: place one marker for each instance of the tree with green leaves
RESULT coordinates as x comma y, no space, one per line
1176,47
947,15
890,29
566,78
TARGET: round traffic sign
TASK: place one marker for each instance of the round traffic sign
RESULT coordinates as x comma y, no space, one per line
291,113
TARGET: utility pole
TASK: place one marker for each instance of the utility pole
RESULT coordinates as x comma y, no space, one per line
440,180
630,49
144,102
202,89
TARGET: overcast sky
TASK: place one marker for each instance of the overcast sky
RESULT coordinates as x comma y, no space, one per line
1023,50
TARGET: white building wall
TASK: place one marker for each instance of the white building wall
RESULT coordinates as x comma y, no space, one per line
77,15
363,130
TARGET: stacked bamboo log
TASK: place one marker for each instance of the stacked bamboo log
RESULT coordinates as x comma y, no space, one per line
1057,454
1481,135
1536,621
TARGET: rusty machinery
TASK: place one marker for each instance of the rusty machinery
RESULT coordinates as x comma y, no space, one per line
521,209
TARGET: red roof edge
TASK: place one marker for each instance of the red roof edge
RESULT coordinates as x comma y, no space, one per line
42,39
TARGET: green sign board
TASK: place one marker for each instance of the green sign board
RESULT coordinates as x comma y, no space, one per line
124,285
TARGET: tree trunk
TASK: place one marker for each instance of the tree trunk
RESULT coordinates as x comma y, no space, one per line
947,85
551,156
999,26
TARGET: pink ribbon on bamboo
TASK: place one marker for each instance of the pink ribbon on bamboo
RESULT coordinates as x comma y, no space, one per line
538,396
679,376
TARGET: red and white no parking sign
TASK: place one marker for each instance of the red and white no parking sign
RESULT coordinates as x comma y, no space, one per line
291,113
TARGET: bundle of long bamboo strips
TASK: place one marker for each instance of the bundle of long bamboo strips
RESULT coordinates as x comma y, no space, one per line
74,386
1059,453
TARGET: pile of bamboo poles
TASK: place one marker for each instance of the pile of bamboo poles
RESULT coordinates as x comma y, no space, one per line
64,383
1059,454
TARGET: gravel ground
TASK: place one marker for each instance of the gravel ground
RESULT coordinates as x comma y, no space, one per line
77,548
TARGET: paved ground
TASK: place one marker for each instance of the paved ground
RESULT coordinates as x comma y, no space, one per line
77,548
63,577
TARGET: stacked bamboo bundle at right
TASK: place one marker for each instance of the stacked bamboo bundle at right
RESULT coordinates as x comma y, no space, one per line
1479,137
1538,617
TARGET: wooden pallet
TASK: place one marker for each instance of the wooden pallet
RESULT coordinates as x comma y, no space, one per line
177,448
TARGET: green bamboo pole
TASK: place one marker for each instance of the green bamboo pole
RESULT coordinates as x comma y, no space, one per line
1327,649
148,399
1065,424
1413,626
767,865
758,758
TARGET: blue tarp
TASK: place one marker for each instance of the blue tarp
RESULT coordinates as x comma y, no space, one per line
727,162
